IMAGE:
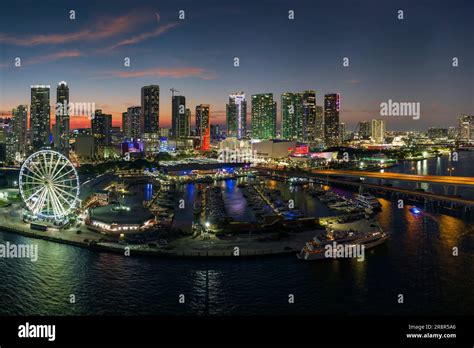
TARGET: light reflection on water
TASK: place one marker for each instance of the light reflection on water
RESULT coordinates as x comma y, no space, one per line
417,261
438,166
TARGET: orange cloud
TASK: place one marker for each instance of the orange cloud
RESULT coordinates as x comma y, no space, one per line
176,73
54,56
138,38
103,29
354,81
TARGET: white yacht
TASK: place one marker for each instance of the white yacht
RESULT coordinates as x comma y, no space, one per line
366,200
315,249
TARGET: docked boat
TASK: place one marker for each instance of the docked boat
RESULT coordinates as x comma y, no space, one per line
366,200
318,249
339,205
298,181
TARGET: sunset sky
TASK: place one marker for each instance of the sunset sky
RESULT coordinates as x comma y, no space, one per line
402,60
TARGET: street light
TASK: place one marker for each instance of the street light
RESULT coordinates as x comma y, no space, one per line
450,170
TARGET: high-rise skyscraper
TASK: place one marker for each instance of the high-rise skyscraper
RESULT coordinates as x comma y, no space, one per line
187,131
236,115
203,126
331,119
124,123
377,128
263,116
19,127
62,118
309,116
342,131
150,121
215,129
364,130
40,116
452,132
319,123
101,126
179,119
292,116
298,116
132,123
466,128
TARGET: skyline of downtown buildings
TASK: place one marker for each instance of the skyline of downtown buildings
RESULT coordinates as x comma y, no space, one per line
145,118
301,119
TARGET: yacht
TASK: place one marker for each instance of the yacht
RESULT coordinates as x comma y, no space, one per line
367,201
298,181
316,248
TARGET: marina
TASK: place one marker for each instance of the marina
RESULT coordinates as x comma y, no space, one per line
180,256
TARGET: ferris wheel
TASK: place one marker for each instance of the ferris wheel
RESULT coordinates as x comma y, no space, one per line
49,184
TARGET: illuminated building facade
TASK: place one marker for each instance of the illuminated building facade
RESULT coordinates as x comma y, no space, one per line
309,116
364,130
291,116
179,117
203,126
101,125
40,116
331,119
378,131
319,124
115,219
298,116
151,143
263,116
150,116
131,126
466,128
236,115
19,123
62,118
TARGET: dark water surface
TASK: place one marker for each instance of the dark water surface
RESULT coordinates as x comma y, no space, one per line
417,262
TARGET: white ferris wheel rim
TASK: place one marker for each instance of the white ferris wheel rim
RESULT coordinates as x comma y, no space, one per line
49,184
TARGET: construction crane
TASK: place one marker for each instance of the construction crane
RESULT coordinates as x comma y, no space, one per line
172,91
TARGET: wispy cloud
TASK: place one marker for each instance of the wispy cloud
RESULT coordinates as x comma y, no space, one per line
354,81
104,28
141,37
47,58
176,73
54,57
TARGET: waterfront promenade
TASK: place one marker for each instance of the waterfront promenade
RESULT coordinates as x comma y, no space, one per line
249,245
226,246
